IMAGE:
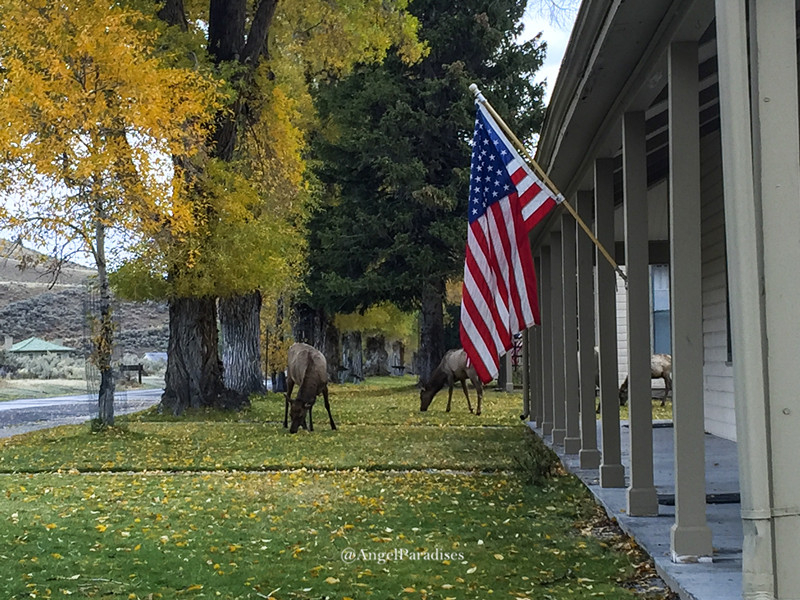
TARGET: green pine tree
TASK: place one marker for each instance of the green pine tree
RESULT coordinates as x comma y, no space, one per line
393,158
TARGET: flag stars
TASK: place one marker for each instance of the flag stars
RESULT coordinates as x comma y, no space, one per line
490,180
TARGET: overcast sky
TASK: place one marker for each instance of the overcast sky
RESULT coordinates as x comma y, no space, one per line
556,37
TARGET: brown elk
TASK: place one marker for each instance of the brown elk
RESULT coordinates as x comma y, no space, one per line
453,367
660,368
309,370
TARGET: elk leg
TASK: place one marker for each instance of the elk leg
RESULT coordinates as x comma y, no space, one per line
310,421
464,386
667,388
289,387
450,383
328,407
478,390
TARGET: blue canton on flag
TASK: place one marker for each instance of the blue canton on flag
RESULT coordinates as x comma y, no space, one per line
489,178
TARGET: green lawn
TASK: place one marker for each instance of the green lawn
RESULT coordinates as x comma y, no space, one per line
393,505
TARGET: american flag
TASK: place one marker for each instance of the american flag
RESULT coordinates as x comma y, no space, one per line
506,200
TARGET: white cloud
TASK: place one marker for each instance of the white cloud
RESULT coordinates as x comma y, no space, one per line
556,36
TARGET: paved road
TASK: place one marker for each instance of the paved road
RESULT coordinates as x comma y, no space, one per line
20,416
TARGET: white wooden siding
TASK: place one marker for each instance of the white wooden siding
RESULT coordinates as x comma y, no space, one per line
622,329
720,418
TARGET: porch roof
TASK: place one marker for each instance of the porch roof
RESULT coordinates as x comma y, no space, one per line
616,62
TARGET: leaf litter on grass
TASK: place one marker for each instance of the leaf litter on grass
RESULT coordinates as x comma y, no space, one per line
440,509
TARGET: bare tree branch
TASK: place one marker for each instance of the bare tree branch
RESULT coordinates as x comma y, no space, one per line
559,13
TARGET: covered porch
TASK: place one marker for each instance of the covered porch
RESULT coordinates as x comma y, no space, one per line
674,132
707,580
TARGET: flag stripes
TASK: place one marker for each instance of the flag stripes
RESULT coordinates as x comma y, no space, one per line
499,297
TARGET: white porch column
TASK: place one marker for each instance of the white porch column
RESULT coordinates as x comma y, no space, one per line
572,441
743,234
642,499
762,213
509,371
535,355
535,365
557,325
589,454
526,382
545,285
690,536
612,472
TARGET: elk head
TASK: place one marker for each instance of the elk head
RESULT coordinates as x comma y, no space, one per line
297,412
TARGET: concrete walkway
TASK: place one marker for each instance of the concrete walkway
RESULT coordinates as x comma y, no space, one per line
717,580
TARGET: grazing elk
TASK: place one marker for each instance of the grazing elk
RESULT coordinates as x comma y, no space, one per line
309,370
452,368
660,368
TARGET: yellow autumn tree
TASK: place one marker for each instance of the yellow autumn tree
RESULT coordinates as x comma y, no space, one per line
93,114
250,197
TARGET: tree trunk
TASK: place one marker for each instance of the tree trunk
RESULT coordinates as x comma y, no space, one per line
376,359
431,331
194,371
331,349
352,357
397,362
240,322
303,323
313,327
104,340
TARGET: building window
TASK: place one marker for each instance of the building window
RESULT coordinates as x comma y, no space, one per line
659,283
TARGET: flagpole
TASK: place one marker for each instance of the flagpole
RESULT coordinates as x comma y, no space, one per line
507,130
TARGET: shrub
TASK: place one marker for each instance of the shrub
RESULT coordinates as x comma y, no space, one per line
537,461
48,366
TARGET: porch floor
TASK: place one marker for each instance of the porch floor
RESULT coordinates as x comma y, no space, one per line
717,580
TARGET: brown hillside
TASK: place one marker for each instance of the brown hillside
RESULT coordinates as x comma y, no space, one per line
32,305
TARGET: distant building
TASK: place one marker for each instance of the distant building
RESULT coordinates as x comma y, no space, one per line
37,346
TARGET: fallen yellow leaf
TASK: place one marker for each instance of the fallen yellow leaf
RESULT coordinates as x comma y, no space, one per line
331,580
